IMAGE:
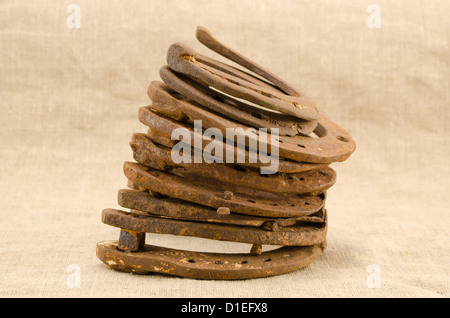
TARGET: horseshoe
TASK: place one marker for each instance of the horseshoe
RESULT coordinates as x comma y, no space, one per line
160,130
333,143
183,210
190,91
212,194
206,38
216,198
297,235
198,265
310,182
187,61
285,166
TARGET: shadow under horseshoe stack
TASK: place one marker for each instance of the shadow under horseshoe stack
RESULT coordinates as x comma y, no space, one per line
225,201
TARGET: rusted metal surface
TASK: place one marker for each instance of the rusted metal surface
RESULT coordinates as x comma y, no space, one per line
256,249
218,103
238,115
131,241
211,194
162,140
184,210
209,266
296,235
196,94
333,143
284,165
206,38
309,182
169,111
232,202
185,60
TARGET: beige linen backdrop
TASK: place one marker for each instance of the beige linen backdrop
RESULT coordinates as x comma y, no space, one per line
69,100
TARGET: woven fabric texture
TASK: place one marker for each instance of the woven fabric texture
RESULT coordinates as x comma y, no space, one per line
69,98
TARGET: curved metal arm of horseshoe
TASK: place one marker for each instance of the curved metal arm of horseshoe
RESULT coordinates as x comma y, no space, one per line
231,153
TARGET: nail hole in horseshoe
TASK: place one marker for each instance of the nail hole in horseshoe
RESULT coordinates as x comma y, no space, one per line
301,146
218,262
251,201
239,168
342,138
217,98
306,203
268,260
191,261
176,95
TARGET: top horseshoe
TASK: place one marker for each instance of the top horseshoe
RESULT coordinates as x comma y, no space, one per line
229,80
206,38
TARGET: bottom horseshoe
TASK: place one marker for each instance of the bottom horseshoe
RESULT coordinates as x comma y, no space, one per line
197,265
